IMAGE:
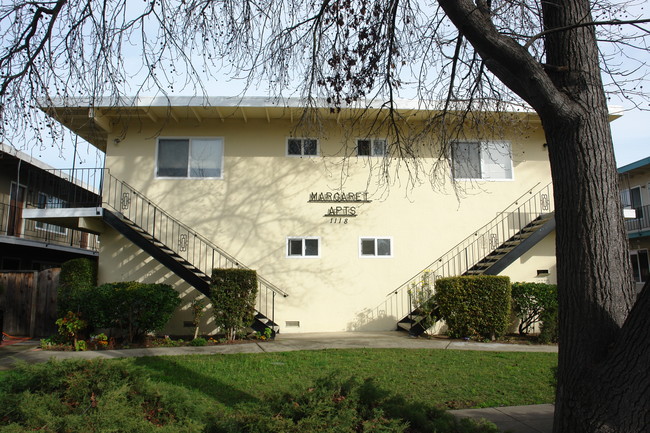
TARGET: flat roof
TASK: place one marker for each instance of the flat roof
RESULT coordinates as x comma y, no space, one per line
95,119
634,165
10,150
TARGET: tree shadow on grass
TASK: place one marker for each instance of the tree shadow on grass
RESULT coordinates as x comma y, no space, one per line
165,369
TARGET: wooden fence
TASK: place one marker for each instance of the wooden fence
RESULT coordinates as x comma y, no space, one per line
29,302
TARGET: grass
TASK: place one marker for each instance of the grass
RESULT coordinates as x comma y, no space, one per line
442,378
223,393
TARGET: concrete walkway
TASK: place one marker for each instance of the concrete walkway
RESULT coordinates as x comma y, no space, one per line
518,419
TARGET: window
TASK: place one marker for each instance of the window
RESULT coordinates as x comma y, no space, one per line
640,265
190,157
481,160
302,147
371,147
46,201
303,247
376,247
631,199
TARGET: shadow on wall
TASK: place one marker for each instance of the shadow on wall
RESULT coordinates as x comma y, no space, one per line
371,320
249,214
136,265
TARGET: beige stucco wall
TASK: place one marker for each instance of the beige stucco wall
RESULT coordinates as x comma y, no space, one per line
263,199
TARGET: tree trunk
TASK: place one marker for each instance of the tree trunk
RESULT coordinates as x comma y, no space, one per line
595,286
604,349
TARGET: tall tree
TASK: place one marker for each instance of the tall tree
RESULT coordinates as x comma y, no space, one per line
467,55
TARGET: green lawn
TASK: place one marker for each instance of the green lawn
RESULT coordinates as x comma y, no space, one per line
442,378
231,393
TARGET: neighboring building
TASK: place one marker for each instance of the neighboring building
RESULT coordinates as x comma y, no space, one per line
188,181
634,182
32,245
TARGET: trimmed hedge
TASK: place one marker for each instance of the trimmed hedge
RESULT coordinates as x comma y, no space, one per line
233,294
130,307
76,275
474,306
136,308
530,301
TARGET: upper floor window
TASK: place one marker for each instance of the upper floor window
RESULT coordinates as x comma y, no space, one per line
631,199
376,247
302,147
371,147
481,160
303,247
190,157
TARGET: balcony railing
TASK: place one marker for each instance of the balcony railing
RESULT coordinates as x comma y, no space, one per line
641,222
95,187
13,225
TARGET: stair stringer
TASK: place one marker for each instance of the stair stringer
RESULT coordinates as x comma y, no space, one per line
179,266
411,323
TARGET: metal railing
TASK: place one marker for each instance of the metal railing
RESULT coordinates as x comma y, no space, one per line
11,224
467,253
641,222
148,216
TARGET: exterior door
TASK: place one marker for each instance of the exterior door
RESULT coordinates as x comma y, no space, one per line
16,205
640,265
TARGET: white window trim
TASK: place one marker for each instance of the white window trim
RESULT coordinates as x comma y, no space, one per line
302,147
377,256
185,137
372,145
303,256
481,179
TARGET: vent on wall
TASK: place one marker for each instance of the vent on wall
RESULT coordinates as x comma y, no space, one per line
542,272
292,323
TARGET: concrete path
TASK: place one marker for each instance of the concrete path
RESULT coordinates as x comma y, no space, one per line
518,419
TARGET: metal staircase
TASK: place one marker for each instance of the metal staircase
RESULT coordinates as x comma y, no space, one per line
175,245
487,251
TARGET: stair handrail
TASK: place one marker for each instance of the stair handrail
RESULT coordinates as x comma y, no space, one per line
400,302
500,216
185,227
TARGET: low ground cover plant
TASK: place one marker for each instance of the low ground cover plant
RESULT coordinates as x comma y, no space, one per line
243,392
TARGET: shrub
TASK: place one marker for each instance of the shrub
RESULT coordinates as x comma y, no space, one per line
76,275
137,308
233,294
86,396
474,305
70,326
421,295
530,300
132,307
550,327
199,341
339,404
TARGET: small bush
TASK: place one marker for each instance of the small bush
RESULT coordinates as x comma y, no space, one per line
474,305
76,275
199,341
530,300
233,294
